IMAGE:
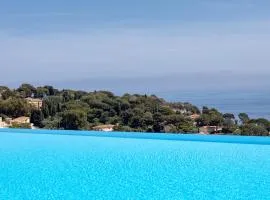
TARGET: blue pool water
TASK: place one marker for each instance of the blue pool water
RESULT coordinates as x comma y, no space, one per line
34,165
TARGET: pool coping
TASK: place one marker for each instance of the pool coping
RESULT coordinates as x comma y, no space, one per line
261,140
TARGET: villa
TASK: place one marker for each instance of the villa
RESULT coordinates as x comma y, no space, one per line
106,128
210,129
194,116
21,120
2,123
9,122
37,103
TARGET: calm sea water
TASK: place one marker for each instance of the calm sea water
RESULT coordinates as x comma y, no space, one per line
38,166
255,103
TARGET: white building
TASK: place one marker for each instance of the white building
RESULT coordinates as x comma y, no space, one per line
106,127
2,123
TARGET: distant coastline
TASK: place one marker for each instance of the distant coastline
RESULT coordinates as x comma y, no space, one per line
49,108
253,102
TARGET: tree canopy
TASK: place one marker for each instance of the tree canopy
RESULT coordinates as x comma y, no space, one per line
76,110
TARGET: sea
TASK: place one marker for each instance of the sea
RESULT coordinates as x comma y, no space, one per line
255,103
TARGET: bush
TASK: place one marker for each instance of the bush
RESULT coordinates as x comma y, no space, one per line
254,129
23,126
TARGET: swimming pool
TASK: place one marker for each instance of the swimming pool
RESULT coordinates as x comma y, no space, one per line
58,165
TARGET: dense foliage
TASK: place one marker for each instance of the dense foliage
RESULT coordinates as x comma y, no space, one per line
75,110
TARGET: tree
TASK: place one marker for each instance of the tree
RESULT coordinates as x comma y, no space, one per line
203,120
79,94
126,116
261,122
244,118
3,89
158,126
51,106
104,118
41,92
74,120
114,120
228,116
36,118
254,129
175,119
124,105
15,107
210,117
21,126
123,128
4,117
94,114
51,90
205,110
5,92
68,95
229,124
187,126
27,90
170,129
147,119
52,122
136,122
187,107
166,110
73,105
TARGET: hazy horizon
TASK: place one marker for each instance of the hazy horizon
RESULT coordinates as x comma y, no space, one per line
143,46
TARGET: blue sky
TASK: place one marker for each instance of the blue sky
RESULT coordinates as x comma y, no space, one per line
113,44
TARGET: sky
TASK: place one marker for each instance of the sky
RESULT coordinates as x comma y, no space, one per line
137,46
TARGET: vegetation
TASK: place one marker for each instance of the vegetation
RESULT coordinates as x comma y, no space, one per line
22,126
77,110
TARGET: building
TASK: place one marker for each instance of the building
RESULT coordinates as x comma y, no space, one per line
21,120
2,123
106,128
194,116
37,103
210,129
17,122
